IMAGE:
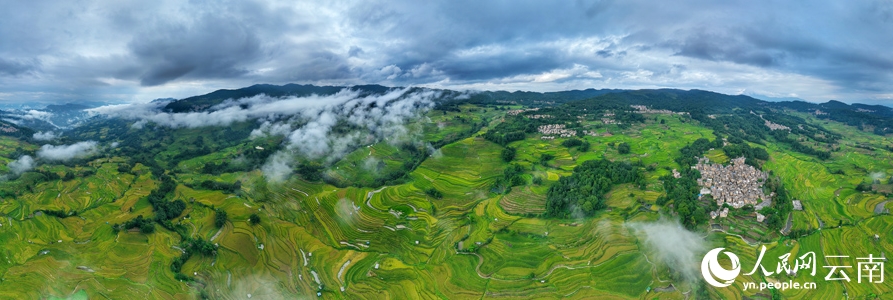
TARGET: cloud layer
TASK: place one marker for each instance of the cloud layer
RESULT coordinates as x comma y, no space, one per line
45,136
672,245
67,152
21,165
315,127
133,51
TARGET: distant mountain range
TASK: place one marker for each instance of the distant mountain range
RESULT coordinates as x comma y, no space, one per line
64,116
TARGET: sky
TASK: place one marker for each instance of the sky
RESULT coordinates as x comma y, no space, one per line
136,51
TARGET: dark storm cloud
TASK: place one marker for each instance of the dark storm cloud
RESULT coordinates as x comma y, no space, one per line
15,67
719,47
500,63
136,51
210,47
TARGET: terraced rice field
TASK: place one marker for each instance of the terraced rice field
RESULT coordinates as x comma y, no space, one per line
397,241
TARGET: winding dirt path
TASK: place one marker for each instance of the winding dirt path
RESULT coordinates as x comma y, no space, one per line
879,208
790,223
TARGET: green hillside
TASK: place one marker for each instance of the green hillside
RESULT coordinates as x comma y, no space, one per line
468,199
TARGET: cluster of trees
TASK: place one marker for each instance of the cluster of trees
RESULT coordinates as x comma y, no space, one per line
219,217
62,214
782,136
623,148
625,119
213,168
738,148
310,170
688,155
581,145
48,175
69,176
683,191
165,209
582,193
434,193
508,154
511,176
254,219
504,138
145,225
189,247
782,204
537,180
230,188
545,158
863,186
516,128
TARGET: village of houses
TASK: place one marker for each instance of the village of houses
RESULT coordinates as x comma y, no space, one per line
737,184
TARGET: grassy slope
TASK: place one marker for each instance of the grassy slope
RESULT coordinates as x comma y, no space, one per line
313,228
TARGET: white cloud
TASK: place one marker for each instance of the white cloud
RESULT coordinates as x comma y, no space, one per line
278,167
66,152
672,245
21,165
308,123
45,136
271,129
37,115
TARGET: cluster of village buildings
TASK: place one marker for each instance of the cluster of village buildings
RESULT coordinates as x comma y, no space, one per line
553,130
515,112
738,184
642,109
590,132
8,129
773,126
607,119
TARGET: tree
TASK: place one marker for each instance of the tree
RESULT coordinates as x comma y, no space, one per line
864,186
219,218
583,192
254,219
537,180
433,192
623,148
147,228
545,158
508,154
572,142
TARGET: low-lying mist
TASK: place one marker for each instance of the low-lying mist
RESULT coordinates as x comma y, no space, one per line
315,127
672,245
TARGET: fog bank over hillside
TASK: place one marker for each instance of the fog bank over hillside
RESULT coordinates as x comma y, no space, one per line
314,127
671,244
